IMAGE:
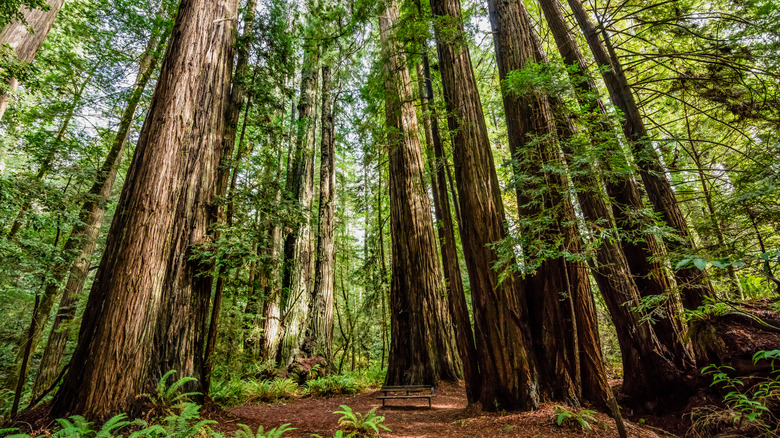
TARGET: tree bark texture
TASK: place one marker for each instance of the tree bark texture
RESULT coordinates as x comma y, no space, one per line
553,284
502,337
459,312
147,309
300,259
81,243
219,212
422,346
26,44
319,336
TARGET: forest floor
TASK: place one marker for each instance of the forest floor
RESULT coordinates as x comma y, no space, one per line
448,417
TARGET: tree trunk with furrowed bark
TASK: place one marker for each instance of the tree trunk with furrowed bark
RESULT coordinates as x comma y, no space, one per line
148,306
83,238
422,346
505,356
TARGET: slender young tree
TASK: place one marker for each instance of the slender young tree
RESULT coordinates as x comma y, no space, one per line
25,38
422,349
147,309
502,337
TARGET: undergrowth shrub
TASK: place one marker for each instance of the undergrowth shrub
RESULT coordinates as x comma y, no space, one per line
355,424
749,405
336,385
584,418
234,392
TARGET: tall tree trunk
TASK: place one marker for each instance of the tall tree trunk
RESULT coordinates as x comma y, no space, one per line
422,348
236,103
271,276
81,243
382,261
652,370
319,336
302,189
147,309
25,44
459,312
643,255
506,360
532,143
693,283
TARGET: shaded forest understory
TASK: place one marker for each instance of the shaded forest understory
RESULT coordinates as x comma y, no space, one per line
564,216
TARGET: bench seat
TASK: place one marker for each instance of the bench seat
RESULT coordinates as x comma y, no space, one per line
410,392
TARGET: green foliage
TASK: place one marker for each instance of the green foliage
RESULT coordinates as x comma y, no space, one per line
185,423
11,10
747,400
583,418
359,425
171,395
235,392
343,384
276,432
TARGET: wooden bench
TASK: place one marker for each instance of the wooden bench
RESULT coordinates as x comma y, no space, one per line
409,391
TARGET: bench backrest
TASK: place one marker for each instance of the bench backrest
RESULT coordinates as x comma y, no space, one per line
406,388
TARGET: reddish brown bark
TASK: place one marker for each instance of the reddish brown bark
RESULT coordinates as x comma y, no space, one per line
147,309
422,347
459,312
83,237
554,282
502,338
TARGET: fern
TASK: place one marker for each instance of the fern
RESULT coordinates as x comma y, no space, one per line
5,433
276,432
583,418
170,395
363,425
76,427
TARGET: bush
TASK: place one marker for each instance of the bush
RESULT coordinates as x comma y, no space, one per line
271,390
335,385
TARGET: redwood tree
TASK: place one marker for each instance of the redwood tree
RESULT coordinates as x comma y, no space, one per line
502,337
319,334
558,291
422,348
147,309
461,322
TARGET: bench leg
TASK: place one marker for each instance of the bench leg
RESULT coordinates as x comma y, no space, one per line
429,402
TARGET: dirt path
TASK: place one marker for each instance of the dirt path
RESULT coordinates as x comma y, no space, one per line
449,417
